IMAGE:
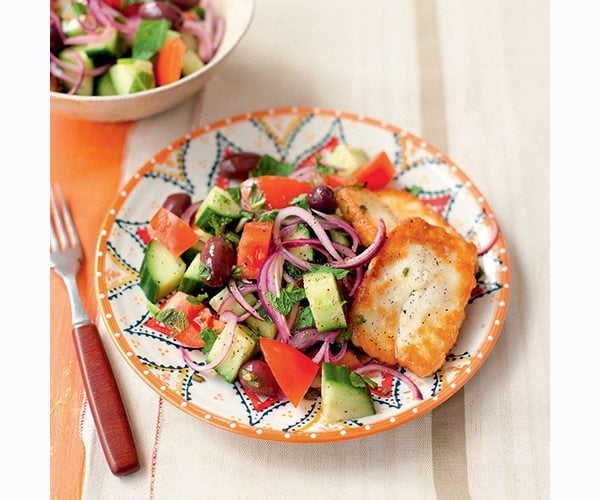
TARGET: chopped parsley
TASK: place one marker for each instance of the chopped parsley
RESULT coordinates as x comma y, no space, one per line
267,165
360,319
344,336
288,296
405,271
414,190
209,336
149,38
200,13
152,308
174,319
337,273
363,208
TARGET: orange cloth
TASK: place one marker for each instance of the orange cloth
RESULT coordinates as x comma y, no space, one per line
85,159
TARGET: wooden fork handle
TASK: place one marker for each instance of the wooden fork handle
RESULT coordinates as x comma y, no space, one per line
105,401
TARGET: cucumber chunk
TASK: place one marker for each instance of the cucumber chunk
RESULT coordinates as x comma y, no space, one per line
243,348
234,307
161,272
112,47
217,210
301,231
68,56
132,75
191,63
191,282
341,400
104,85
266,329
347,159
324,301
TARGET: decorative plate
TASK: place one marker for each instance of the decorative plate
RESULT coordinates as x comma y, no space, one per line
190,164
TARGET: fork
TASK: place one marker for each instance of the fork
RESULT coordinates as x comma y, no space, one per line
99,382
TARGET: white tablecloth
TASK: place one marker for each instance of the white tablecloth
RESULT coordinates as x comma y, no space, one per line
471,77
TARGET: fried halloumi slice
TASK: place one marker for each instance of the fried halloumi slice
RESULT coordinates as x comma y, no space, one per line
363,208
410,306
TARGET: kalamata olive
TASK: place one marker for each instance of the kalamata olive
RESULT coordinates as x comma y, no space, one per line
185,4
256,376
162,10
177,203
322,198
237,165
56,43
218,257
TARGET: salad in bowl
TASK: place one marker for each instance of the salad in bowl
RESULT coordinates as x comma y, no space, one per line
308,280
121,47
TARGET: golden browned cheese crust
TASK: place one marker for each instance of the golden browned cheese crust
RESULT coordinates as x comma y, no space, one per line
411,304
363,208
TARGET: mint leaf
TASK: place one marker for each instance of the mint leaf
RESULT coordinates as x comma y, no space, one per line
344,336
305,319
198,299
200,13
293,271
356,380
174,319
300,201
414,190
236,272
322,168
288,296
256,199
268,216
232,237
337,273
79,9
267,165
208,335
204,273
235,194
149,38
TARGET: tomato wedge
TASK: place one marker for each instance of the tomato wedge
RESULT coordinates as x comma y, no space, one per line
377,173
336,181
198,317
169,61
279,191
172,232
293,371
254,247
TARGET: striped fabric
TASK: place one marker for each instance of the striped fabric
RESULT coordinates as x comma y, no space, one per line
469,76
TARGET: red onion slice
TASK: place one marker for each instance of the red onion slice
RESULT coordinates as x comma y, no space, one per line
370,252
493,239
269,280
233,289
372,367
312,222
321,353
307,337
336,357
188,215
342,225
230,320
293,315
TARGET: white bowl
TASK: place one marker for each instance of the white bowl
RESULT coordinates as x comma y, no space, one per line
237,14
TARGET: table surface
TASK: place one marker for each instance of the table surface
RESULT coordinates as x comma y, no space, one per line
471,77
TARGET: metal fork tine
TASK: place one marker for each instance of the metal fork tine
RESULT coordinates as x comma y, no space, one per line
67,216
54,246
60,228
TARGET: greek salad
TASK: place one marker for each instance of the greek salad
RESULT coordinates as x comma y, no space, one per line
119,47
261,273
